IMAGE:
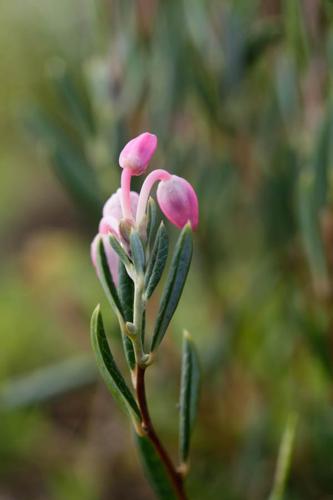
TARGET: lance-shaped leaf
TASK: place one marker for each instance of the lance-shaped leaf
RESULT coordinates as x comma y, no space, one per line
189,393
108,368
106,280
138,254
119,250
284,458
126,296
157,260
310,231
151,220
155,470
174,286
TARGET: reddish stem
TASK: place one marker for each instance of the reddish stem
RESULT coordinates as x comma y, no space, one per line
148,428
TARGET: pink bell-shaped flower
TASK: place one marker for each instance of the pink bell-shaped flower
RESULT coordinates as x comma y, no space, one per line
178,201
138,152
112,206
109,224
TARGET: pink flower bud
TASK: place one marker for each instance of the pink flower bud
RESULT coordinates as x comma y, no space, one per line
112,257
138,152
178,201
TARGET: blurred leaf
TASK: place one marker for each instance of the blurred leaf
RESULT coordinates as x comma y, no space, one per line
47,383
108,368
322,158
75,97
155,470
296,31
284,458
157,260
310,230
189,393
69,161
174,286
260,40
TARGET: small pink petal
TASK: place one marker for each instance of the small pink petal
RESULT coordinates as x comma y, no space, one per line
178,201
109,224
138,152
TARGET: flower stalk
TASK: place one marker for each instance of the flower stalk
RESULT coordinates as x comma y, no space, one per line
128,237
175,477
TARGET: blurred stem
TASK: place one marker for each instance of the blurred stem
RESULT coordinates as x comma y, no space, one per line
147,426
283,462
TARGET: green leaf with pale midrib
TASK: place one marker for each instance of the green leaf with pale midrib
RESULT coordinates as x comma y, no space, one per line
126,296
151,221
157,260
108,368
106,279
189,393
119,250
138,254
155,470
174,286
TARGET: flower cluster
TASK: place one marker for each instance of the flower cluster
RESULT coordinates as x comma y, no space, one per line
176,198
130,255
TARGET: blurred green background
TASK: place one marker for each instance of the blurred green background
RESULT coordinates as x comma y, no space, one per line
239,93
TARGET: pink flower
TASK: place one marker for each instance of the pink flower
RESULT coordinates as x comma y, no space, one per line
176,197
138,152
178,201
109,224
112,206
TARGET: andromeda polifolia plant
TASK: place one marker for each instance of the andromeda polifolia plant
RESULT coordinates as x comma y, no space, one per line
130,254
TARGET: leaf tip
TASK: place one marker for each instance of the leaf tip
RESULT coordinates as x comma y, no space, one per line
187,335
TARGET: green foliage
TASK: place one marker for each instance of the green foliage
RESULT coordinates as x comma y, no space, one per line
155,470
189,393
108,368
157,260
174,285
239,94
106,279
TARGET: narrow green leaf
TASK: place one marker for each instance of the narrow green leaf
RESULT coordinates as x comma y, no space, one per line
155,470
151,220
108,368
284,458
119,250
106,280
138,254
174,286
189,393
126,296
157,260
310,231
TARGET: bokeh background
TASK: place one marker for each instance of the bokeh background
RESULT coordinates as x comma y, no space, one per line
239,93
